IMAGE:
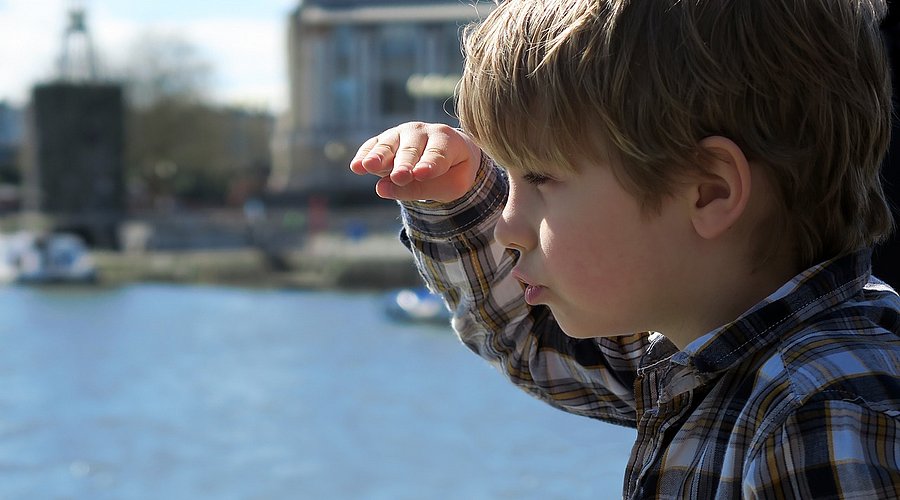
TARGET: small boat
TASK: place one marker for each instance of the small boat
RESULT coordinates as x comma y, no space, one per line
32,258
416,305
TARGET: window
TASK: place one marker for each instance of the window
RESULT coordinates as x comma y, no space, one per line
398,62
346,84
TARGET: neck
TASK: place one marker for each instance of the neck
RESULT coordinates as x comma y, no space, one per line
721,297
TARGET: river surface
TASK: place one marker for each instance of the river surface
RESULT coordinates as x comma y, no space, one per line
189,392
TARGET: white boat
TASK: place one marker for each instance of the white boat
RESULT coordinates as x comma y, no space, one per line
416,305
27,257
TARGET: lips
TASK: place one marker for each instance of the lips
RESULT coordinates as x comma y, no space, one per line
533,294
533,291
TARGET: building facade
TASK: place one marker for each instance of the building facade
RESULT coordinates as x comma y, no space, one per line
10,132
356,68
75,172
11,139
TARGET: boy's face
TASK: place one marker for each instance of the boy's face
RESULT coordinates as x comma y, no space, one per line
588,251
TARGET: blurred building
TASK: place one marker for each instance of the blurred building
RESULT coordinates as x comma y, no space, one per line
10,137
356,68
74,173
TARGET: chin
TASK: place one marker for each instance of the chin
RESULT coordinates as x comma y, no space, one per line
582,335
587,329
576,331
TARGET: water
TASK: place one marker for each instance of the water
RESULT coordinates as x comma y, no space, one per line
151,391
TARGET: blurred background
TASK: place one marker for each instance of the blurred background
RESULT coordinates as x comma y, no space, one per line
200,300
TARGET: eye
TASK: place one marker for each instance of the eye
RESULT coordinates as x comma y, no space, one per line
536,179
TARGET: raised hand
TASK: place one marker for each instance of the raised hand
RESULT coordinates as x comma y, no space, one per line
419,161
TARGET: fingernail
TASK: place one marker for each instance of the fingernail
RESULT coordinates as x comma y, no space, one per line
402,175
421,170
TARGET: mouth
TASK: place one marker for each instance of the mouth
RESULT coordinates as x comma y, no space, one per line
533,292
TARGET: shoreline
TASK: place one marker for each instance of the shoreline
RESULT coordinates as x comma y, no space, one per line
325,262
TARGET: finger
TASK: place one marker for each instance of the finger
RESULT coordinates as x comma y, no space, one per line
380,159
442,152
412,142
443,189
413,191
385,188
356,163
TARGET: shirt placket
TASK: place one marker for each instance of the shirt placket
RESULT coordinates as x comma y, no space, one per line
656,418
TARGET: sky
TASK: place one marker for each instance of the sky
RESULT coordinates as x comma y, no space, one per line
243,40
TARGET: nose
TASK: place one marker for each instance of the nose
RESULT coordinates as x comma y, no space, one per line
513,229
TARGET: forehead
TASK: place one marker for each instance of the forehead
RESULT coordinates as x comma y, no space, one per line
568,148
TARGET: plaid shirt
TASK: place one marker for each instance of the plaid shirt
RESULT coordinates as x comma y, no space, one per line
797,398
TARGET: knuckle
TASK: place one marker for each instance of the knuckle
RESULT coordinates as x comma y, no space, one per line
411,128
443,128
416,125
383,148
436,150
409,150
435,153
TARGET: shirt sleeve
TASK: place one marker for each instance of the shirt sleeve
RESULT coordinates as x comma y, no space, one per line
458,257
837,449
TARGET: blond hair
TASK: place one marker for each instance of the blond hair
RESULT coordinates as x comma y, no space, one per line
802,86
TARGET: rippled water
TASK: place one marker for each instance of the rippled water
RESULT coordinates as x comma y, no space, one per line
168,392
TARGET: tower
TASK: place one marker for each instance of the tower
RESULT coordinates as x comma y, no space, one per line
76,140
77,60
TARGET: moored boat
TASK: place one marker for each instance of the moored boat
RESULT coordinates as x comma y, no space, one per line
416,305
32,258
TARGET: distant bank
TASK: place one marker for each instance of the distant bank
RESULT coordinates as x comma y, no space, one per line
326,262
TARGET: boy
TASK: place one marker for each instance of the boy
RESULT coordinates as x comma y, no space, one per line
703,169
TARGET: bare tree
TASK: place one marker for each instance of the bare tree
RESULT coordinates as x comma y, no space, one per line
180,146
166,67
175,138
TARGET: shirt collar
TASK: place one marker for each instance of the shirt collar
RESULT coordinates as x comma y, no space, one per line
806,295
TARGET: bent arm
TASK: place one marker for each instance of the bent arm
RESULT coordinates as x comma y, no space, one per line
455,251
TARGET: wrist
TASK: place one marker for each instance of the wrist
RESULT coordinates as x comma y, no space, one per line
486,197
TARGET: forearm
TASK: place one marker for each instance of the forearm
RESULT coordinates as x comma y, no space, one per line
456,253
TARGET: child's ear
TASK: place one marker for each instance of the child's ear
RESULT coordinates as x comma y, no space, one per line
720,195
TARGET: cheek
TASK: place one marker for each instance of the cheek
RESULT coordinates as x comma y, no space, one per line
575,257
589,256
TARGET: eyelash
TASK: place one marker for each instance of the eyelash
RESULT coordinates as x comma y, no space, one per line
536,179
